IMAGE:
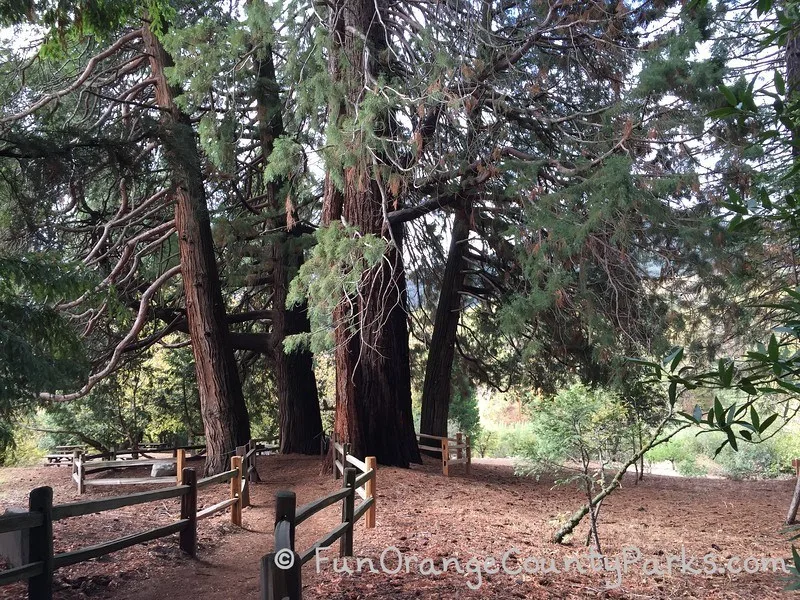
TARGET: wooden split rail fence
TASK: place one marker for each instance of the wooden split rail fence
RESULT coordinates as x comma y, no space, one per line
83,464
38,522
447,447
341,459
281,569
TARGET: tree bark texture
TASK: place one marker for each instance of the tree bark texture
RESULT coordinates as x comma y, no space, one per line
295,382
222,406
373,375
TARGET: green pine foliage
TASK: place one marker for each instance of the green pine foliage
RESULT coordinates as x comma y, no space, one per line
331,274
40,351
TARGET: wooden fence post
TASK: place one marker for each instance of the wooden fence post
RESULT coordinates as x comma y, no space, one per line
446,457
369,487
180,464
78,469
279,583
334,454
75,455
188,537
236,507
285,509
241,451
469,454
346,541
40,546
459,439
253,474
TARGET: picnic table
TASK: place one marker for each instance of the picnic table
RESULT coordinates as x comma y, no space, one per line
63,454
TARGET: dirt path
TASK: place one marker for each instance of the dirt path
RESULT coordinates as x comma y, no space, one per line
423,515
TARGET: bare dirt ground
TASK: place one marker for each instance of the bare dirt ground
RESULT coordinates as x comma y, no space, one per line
421,514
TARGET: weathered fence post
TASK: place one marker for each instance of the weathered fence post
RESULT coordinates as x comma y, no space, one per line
469,454
78,470
253,474
346,541
334,454
285,508
40,546
241,451
180,464
446,457
188,537
369,487
459,439
345,452
280,570
75,455
236,507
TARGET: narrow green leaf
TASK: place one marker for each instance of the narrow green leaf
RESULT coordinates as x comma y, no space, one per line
729,95
732,439
754,418
772,348
719,411
731,412
673,393
780,84
720,448
767,422
676,360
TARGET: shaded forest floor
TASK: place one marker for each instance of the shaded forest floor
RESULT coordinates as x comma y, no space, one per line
424,515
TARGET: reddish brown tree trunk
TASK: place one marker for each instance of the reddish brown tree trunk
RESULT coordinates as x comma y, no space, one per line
224,413
295,382
373,375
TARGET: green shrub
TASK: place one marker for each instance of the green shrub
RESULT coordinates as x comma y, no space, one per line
485,443
575,426
691,466
513,440
693,455
26,450
682,451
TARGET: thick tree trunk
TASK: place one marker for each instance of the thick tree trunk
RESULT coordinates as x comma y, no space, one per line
436,390
373,375
295,382
222,406
298,400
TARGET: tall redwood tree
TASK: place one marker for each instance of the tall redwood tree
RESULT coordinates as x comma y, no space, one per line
373,375
225,417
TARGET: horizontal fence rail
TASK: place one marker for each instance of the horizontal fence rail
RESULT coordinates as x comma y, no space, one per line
446,447
38,523
365,486
83,464
281,569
